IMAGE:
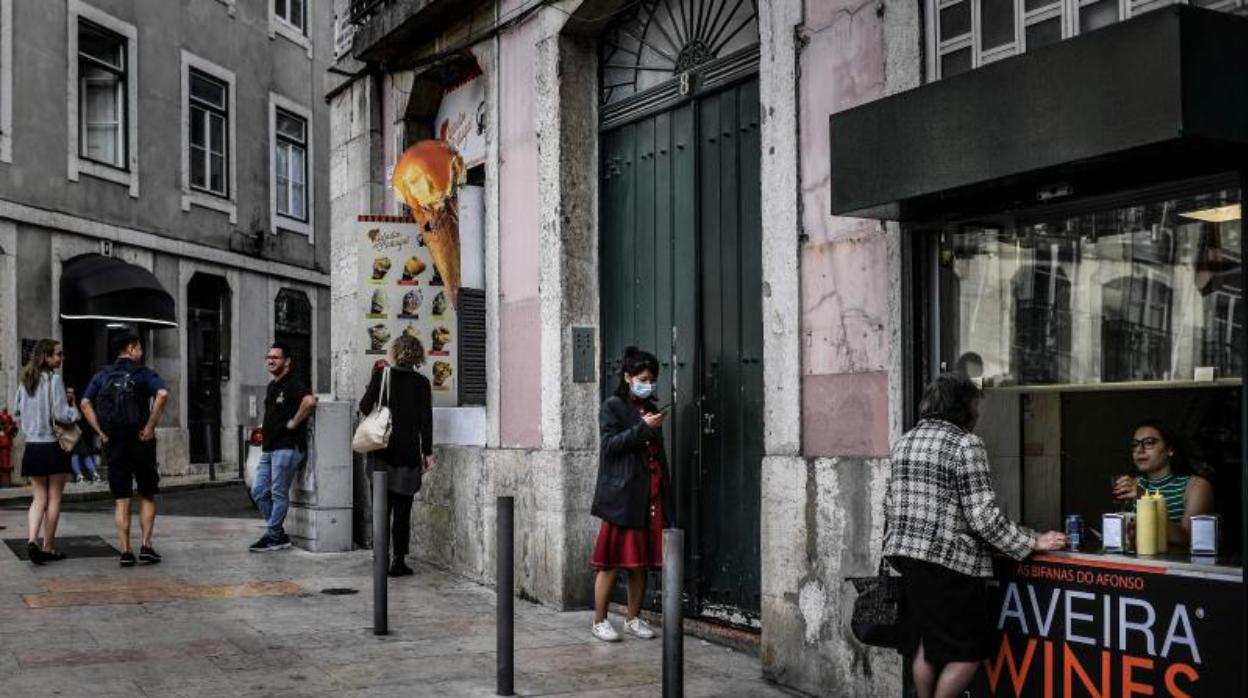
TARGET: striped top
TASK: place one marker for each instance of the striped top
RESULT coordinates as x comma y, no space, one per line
1173,488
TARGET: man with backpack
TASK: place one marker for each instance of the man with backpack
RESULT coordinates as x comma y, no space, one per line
123,404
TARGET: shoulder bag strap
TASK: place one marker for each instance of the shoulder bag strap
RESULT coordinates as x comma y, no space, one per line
384,398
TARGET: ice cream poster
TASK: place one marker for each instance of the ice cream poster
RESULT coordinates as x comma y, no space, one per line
403,292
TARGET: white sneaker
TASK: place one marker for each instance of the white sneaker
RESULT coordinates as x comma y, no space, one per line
603,631
640,628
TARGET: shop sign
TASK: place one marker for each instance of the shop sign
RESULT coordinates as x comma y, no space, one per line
1079,628
461,120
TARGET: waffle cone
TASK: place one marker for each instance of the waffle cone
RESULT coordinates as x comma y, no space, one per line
441,235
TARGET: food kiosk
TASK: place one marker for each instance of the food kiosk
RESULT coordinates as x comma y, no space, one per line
1072,232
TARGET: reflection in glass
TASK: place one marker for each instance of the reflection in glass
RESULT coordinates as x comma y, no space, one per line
996,22
1148,292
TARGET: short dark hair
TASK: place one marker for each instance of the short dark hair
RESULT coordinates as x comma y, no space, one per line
636,361
124,341
951,398
282,347
1179,462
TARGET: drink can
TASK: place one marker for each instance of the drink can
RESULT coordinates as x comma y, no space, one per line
1074,532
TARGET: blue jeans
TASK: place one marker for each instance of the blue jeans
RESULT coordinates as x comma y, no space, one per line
272,488
76,462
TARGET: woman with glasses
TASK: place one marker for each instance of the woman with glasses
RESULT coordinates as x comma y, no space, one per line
40,400
1159,458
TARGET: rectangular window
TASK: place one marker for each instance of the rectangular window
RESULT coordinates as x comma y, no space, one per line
208,138
290,165
102,95
290,12
966,34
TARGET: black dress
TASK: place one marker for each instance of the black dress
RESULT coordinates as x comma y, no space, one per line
411,420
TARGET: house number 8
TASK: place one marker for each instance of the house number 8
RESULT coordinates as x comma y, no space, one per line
686,83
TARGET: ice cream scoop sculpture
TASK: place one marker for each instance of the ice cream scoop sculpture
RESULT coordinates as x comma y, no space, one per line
427,177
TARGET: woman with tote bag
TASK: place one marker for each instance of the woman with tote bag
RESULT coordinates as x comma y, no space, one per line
408,450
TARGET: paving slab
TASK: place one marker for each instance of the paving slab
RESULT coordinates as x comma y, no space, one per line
214,619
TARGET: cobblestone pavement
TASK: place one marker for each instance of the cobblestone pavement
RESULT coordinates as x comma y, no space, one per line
215,620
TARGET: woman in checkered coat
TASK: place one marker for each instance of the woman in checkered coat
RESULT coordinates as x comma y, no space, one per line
942,524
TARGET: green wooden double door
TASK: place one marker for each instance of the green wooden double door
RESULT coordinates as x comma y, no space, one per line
681,275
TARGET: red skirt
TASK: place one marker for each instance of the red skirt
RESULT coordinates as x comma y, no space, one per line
634,548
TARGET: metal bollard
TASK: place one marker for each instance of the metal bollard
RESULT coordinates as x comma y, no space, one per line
381,548
505,591
673,613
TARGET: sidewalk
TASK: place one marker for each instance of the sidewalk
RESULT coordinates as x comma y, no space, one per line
213,620
77,492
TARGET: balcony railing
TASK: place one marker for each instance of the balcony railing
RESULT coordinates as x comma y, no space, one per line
362,9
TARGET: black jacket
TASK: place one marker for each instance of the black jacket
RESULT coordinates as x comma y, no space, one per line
622,495
411,416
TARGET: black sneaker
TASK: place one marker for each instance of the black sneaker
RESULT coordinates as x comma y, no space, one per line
127,559
400,569
260,546
280,542
149,555
36,555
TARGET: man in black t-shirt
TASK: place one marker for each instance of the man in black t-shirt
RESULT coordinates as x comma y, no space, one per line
287,405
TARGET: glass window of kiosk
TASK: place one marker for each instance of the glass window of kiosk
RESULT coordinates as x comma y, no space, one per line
1080,324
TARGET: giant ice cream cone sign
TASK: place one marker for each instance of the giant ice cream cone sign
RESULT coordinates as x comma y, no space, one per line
428,176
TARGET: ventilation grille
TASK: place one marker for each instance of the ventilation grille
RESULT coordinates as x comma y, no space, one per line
471,346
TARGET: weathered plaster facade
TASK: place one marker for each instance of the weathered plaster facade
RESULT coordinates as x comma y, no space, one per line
831,327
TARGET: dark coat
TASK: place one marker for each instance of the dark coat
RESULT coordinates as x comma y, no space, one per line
411,417
622,495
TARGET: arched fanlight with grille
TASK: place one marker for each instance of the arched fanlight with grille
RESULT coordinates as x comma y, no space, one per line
657,40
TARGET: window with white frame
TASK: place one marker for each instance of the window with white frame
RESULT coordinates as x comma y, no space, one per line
102,57
290,157
209,145
102,95
292,200
208,137
966,34
291,12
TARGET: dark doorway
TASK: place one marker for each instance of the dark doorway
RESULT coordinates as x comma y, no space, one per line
681,275
207,358
292,324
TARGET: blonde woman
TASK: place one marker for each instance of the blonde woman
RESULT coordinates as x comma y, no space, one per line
410,451
40,399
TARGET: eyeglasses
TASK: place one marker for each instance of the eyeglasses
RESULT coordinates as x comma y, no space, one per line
1146,443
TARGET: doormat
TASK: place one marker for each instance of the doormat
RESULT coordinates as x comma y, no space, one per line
72,546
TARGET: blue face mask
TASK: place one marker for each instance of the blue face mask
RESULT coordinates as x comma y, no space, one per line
642,390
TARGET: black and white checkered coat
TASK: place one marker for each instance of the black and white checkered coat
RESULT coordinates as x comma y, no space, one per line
940,505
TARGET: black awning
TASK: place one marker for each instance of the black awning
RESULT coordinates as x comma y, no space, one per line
1159,97
95,287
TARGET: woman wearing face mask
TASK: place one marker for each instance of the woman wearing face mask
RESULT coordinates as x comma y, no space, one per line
1155,450
632,479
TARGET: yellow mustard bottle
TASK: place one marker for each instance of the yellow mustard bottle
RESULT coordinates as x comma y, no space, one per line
1163,521
1145,525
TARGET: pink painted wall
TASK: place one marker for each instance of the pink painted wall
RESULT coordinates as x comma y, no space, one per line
519,242
845,307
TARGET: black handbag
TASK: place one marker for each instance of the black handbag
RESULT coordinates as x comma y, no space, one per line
877,620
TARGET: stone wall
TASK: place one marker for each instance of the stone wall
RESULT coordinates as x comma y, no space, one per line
834,382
